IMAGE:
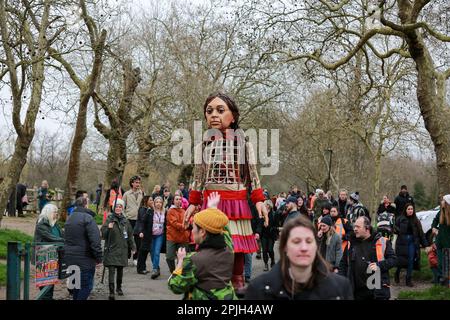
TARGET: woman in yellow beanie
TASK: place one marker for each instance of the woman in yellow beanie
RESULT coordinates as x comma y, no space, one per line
195,276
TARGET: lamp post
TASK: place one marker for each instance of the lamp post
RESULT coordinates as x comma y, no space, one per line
330,152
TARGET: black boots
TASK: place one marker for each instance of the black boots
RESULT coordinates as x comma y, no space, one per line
171,265
111,292
266,267
408,282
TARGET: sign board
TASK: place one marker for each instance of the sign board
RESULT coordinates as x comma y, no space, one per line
46,265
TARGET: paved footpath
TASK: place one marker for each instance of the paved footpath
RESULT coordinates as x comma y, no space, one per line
142,287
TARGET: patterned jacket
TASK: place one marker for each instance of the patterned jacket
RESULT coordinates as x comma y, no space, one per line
199,279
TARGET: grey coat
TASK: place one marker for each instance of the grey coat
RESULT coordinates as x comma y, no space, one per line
291,215
334,250
117,241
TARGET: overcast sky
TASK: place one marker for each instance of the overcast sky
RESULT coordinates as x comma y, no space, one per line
54,122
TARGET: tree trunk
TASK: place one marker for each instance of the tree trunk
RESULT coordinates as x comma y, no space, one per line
145,146
433,107
376,184
75,153
117,159
16,164
86,90
25,132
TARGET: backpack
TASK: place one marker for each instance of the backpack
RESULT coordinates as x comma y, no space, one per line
357,212
385,223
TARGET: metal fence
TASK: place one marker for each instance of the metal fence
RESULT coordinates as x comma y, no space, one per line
15,255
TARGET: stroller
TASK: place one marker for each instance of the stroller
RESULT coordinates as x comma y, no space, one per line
385,224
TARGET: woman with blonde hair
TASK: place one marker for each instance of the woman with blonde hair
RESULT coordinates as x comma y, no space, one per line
156,191
47,230
441,228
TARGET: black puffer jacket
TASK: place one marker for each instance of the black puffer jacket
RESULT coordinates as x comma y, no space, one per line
83,240
401,245
349,258
269,286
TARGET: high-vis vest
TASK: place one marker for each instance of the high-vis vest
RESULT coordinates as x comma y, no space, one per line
112,197
339,226
380,247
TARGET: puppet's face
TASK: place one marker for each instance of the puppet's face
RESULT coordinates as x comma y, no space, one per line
218,115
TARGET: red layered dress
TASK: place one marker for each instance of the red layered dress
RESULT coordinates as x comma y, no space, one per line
228,167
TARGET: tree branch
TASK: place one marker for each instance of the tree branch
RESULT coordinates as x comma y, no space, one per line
344,60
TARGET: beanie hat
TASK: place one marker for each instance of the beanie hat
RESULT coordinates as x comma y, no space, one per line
327,220
355,196
119,202
447,198
212,220
327,205
291,199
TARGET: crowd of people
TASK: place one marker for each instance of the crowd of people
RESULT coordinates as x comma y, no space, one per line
328,248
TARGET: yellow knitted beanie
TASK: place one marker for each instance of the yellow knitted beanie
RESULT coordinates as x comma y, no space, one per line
211,219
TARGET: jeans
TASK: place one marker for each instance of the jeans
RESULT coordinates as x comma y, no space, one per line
411,255
248,265
87,284
156,250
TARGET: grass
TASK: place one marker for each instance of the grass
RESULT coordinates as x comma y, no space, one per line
436,292
2,274
99,216
12,235
425,274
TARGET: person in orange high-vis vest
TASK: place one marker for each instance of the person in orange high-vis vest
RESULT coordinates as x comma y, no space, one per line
366,262
342,226
114,192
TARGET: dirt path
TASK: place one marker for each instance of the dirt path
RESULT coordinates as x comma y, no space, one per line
26,224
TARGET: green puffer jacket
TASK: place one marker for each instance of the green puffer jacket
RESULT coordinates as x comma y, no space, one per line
117,241
199,278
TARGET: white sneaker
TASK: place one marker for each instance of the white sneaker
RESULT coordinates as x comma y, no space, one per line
135,263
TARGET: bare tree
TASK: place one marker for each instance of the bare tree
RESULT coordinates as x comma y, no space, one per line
332,33
87,87
25,40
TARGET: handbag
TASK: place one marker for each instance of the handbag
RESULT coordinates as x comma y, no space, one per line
25,200
62,265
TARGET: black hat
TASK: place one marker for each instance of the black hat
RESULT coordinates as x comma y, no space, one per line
327,220
291,199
